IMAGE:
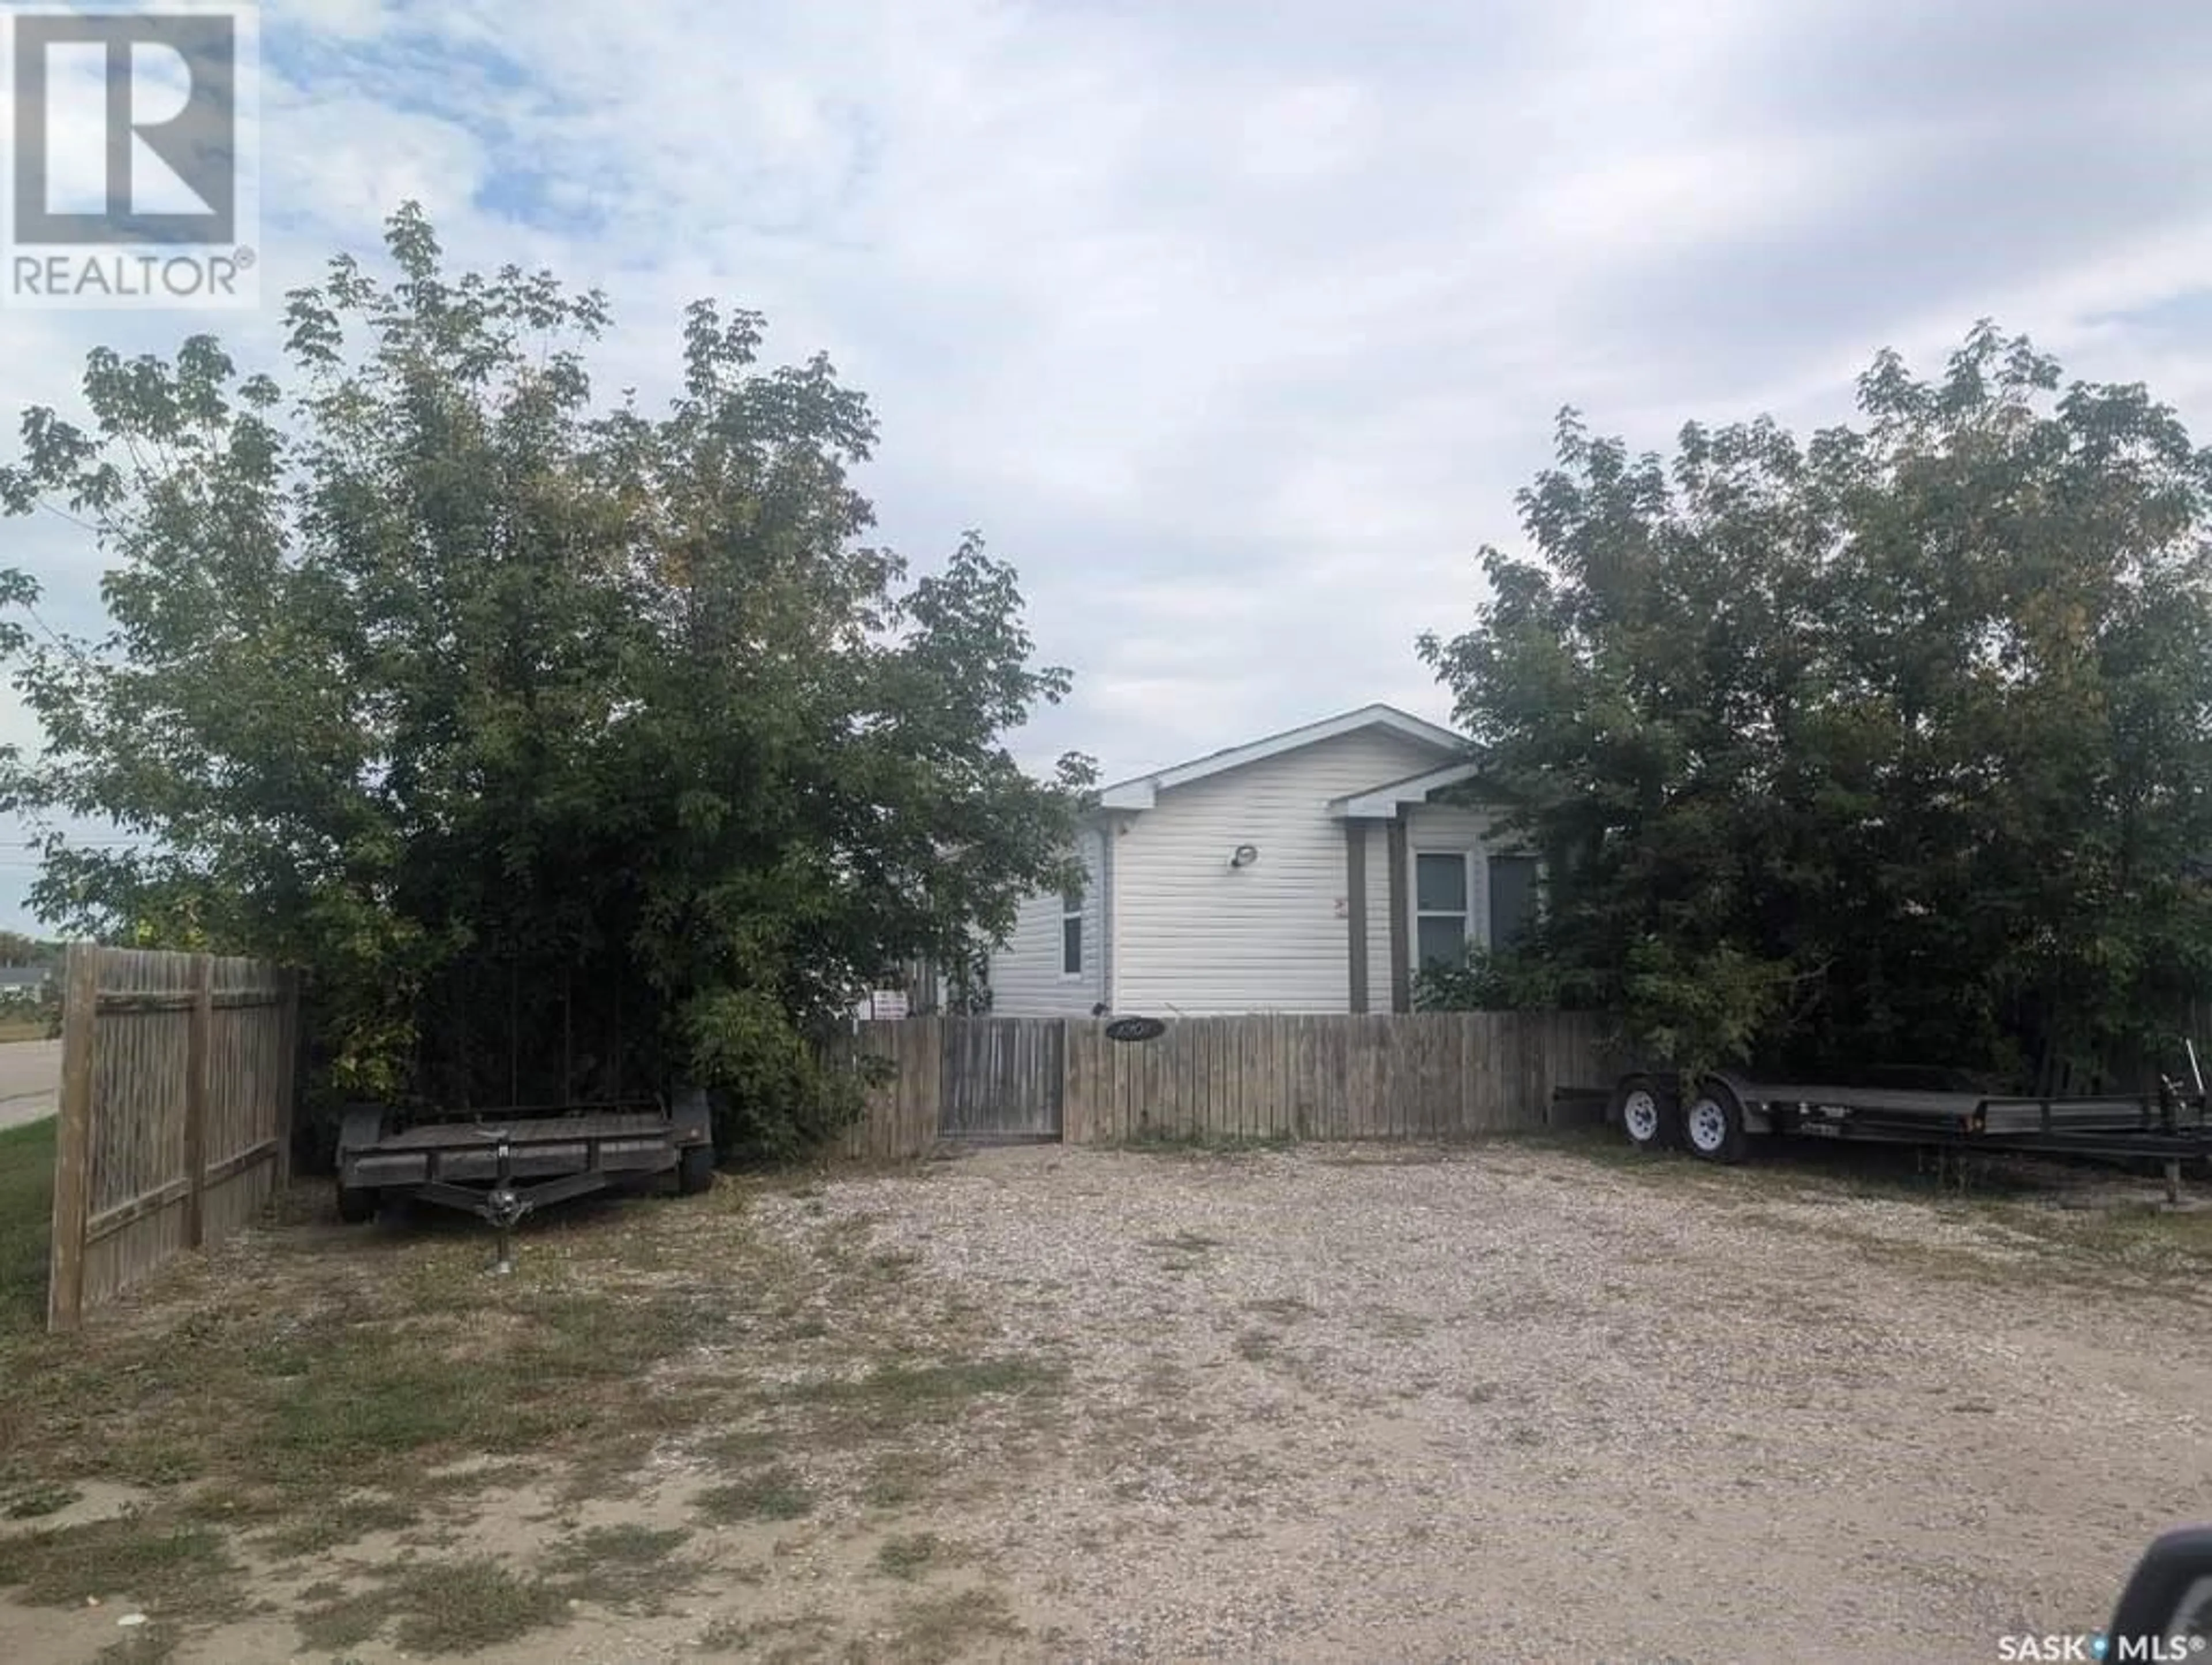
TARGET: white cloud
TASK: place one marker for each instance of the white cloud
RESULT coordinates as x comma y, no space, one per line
1238,336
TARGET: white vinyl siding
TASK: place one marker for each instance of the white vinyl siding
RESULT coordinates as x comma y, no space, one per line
1026,979
1192,935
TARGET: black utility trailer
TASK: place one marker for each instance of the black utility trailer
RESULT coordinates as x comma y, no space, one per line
1715,1116
501,1165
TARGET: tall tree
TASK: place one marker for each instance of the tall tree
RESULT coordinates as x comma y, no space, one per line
574,749
1895,744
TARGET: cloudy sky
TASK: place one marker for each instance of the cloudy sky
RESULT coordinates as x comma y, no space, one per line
1236,326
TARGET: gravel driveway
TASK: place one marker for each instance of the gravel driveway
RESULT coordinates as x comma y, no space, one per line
1525,1404
1511,1402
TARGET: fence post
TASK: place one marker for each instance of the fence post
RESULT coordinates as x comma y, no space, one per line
73,1137
295,1066
197,1041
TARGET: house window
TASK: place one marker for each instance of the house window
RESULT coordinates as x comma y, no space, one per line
1071,933
1441,927
1512,897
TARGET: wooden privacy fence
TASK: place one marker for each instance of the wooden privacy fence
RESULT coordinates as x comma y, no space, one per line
175,1112
1422,1075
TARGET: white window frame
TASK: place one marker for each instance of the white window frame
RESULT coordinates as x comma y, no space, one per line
1071,908
1466,858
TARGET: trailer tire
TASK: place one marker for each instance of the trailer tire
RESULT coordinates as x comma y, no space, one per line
695,1170
357,1203
1712,1124
1649,1114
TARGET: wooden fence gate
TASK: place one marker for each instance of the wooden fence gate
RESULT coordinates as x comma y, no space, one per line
1001,1080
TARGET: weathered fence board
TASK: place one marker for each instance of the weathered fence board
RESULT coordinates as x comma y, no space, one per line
1424,1075
175,1113
899,1117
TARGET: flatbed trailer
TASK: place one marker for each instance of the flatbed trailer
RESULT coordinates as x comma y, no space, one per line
1715,1117
501,1165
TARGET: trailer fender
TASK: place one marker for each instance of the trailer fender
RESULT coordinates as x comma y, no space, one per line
1757,1117
361,1127
693,1115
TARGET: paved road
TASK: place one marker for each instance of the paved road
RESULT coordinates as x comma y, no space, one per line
30,1071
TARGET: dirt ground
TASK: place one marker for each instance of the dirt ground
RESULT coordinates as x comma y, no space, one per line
1511,1403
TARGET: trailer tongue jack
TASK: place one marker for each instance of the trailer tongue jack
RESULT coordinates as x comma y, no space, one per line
503,1206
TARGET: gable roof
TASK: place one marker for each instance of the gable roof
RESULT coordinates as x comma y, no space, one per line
1138,793
1387,799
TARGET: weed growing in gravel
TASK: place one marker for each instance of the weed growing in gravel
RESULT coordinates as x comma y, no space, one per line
630,1566
1187,1242
342,1521
181,1568
36,1500
1159,1142
773,1494
438,1607
916,1555
934,1629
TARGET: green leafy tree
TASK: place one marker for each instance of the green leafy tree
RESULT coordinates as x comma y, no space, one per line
574,749
1893,745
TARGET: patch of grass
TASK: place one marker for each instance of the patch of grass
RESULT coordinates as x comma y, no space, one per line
2141,1236
898,1479
342,1624
439,1607
1397,1326
342,1520
26,1207
772,1641
37,1500
744,1447
171,1566
1186,1242
149,1644
916,1555
24,1026
892,1398
426,1370
628,1566
773,1494
1257,1347
336,1622
630,1544
935,1630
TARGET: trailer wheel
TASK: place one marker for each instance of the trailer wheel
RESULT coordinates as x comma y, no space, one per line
1712,1124
1649,1114
695,1170
356,1204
